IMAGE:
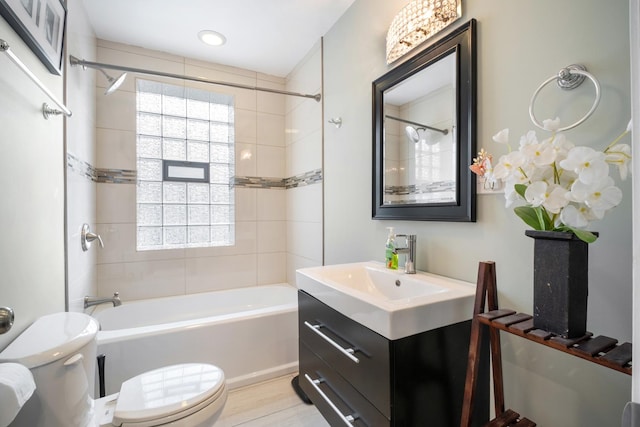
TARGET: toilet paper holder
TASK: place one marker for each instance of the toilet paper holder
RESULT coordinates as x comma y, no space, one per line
6,319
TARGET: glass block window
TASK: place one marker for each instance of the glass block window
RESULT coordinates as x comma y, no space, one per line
180,132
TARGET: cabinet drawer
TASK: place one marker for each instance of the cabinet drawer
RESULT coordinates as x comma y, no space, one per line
357,353
334,397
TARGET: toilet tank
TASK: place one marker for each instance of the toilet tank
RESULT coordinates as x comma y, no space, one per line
60,351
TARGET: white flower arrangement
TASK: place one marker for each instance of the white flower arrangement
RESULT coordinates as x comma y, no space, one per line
558,186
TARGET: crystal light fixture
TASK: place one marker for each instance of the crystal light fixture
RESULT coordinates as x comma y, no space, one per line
418,21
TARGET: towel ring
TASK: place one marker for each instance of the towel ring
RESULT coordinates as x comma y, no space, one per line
568,78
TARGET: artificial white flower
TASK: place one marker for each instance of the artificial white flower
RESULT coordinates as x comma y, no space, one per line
619,155
502,137
588,163
528,138
551,197
575,217
508,165
540,154
600,197
551,125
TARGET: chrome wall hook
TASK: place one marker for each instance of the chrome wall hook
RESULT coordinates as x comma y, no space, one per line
336,121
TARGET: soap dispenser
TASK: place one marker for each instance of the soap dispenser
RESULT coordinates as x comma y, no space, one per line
391,256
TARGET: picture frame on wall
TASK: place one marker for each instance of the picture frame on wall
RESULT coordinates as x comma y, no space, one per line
41,24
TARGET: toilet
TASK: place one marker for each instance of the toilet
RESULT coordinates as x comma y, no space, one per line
60,351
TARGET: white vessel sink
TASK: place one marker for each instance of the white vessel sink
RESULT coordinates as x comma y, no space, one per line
389,302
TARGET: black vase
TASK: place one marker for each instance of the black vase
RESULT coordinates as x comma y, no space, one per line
560,283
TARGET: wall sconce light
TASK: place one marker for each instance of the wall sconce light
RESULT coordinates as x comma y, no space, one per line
418,21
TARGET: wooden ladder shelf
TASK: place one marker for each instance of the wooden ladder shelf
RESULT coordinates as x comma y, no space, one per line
602,350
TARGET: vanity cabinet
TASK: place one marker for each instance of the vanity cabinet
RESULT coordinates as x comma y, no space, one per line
357,377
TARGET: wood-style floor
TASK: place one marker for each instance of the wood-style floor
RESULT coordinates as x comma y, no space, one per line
271,403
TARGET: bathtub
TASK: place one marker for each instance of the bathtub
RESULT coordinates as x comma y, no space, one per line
251,333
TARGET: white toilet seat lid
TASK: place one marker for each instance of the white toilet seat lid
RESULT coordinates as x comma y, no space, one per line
166,392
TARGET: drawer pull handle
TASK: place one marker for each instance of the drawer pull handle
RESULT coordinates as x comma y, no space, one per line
346,351
347,419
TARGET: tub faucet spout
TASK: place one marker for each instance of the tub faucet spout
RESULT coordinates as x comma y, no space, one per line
410,252
90,301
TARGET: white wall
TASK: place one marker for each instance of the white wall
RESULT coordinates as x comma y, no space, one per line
520,44
634,14
81,144
32,190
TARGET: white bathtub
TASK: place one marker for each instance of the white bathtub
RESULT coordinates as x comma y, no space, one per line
251,333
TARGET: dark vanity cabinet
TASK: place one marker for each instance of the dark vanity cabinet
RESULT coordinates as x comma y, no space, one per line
357,377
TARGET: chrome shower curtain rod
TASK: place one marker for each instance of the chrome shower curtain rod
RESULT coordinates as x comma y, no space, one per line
442,131
97,65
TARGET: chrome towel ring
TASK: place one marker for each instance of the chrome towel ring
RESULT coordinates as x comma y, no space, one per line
567,78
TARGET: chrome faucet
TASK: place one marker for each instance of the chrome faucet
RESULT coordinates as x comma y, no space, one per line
410,252
89,301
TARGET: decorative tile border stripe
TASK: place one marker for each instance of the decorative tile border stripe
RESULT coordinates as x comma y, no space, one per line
112,176
127,176
116,176
80,167
308,178
258,182
434,187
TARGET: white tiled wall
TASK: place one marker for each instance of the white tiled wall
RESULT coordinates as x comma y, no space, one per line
265,218
81,143
304,153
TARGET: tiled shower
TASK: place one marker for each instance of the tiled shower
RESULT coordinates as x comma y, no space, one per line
278,179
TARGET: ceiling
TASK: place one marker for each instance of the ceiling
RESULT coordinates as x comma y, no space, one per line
268,36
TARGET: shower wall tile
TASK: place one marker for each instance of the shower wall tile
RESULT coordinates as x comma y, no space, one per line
306,77
243,98
130,56
303,120
80,141
246,204
271,129
270,102
304,204
272,268
222,272
120,246
304,151
246,127
271,161
305,239
246,243
81,265
305,154
271,205
246,159
116,111
115,149
141,280
116,203
272,236
295,262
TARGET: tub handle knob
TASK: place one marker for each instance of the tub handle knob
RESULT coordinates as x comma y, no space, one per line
87,236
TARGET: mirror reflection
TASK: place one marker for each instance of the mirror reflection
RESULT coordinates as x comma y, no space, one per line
419,137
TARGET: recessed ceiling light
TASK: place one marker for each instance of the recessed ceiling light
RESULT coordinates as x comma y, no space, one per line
212,38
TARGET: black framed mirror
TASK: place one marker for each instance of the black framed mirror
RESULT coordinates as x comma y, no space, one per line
424,133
